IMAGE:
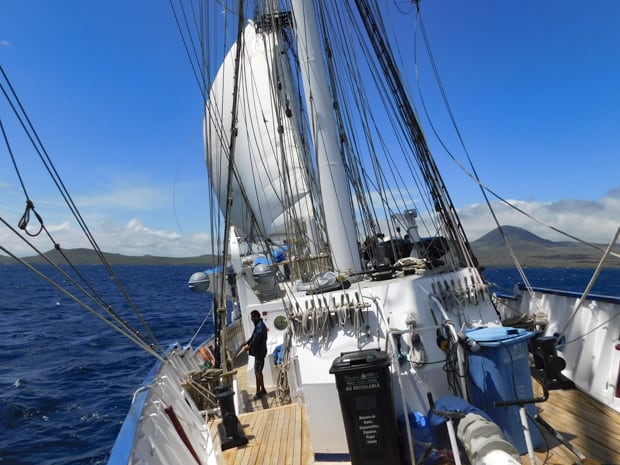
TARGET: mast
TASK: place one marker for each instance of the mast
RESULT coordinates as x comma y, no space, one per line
335,195
222,308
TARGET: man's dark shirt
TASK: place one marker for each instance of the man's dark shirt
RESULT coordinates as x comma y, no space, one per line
258,341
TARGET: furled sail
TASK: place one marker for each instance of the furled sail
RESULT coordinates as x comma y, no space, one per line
271,186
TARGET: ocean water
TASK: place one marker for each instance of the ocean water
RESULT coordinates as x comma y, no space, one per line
66,379
565,279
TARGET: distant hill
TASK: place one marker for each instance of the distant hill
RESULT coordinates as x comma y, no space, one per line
515,235
534,251
89,257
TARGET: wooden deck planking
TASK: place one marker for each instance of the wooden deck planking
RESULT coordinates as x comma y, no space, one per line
295,446
276,436
273,445
261,425
591,427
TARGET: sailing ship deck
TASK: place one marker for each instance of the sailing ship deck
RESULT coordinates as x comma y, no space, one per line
592,428
278,434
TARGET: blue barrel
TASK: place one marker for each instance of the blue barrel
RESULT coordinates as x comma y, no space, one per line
500,372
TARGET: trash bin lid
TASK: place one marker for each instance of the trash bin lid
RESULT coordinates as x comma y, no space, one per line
494,336
359,359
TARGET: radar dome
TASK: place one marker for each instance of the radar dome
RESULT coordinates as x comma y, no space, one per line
199,282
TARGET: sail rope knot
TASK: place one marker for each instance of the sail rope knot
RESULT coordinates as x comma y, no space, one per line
25,219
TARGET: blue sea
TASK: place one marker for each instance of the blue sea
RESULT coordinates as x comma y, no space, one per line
67,379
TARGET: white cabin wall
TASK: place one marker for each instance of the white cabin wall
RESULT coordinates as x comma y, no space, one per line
312,357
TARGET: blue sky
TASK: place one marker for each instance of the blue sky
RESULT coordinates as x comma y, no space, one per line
533,86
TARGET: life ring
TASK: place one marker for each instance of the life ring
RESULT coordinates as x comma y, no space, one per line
206,355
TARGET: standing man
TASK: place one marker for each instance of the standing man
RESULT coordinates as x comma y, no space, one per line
257,345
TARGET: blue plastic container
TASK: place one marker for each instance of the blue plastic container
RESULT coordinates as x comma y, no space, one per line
500,372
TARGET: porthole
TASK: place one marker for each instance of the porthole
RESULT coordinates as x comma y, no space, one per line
280,322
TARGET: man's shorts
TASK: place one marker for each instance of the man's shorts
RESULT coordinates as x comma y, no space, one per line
259,363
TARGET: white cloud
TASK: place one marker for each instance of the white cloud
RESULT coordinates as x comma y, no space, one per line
132,238
132,218
5,43
590,220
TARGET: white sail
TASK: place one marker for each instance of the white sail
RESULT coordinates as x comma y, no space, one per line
270,162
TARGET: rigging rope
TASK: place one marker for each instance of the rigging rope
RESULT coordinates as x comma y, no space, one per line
473,175
26,124
122,329
462,142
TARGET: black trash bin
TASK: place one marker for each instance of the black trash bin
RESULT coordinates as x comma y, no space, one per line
363,381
